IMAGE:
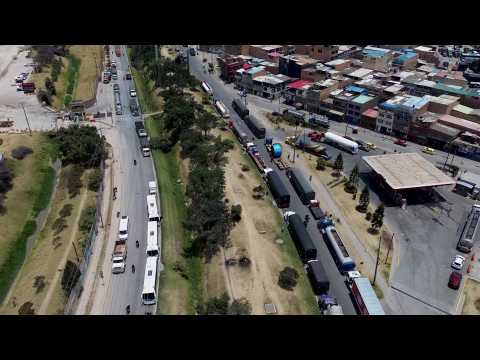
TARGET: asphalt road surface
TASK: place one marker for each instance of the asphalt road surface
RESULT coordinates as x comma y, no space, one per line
337,285
132,183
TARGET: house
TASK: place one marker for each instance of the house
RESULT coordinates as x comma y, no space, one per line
292,65
378,59
269,86
407,60
442,104
426,53
228,66
265,52
368,118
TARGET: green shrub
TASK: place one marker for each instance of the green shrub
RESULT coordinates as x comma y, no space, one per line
95,180
87,219
288,278
74,180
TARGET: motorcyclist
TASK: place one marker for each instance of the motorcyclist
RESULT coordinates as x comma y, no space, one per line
133,268
137,243
134,162
127,309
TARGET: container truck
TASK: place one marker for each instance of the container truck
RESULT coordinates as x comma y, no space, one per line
301,185
133,107
119,256
240,108
278,189
318,277
144,146
342,258
255,126
140,129
364,296
300,236
329,306
274,148
341,142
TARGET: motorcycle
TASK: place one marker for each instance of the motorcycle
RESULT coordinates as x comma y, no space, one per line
118,214
134,162
137,244
127,309
133,268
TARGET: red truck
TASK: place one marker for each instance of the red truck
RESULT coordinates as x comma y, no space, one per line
28,88
118,51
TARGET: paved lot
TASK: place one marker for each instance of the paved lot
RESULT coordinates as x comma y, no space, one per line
11,100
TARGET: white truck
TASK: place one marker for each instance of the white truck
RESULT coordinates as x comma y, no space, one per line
119,255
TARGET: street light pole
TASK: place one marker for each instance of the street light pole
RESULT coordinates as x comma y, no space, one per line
26,118
378,259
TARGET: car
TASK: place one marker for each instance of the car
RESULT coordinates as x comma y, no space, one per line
354,130
362,145
371,146
400,142
458,261
128,76
455,280
428,150
116,88
114,77
133,93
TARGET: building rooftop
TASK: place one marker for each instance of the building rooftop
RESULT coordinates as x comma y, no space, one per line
445,129
362,99
337,62
255,70
359,73
455,121
394,89
407,171
463,109
372,113
423,48
442,99
405,102
355,89
269,79
375,52
404,57
459,90
298,84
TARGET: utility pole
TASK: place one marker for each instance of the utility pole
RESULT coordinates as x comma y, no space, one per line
294,140
378,259
76,254
26,118
389,248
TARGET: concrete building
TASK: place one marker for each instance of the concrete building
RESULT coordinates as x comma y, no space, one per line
426,130
269,86
442,104
244,78
265,52
467,113
339,64
368,119
407,60
427,54
295,91
460,124
404,109
228,67
319,52
448,77
358,74
377,58
292,65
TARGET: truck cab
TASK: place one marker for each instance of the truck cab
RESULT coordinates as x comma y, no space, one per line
352,275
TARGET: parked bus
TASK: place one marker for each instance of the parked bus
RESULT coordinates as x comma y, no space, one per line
207,88
149,296
469,231
152,208
152,239
222,109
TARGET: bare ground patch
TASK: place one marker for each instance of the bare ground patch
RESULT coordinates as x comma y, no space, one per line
471,306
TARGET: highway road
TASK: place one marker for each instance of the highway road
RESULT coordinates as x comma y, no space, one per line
337,285
132,183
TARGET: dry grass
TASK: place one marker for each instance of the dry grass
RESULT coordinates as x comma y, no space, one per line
471,291
356,220
45,257
60,84
90,57
19,199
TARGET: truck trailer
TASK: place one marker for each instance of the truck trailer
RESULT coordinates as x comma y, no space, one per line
318,277
140,129
301,185
133,107
274,148
240,108
278,189
301,238
255,126
144,146
341,142
366,300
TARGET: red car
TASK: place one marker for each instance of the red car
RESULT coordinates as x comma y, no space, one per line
400,142
455,280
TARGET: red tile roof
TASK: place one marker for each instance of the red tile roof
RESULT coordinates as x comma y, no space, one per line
298,84
370,113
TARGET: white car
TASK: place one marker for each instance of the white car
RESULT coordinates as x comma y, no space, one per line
457,262
133,93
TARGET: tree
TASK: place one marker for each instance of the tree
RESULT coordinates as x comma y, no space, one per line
240,307
236,212
377,218
50,86
71,273
364,199
216,306
338,165
321,164
354,176
206,121
288,278
5,177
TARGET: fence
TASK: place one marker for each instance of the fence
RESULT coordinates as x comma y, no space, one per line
76,291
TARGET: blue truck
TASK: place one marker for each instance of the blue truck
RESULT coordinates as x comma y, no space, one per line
274,148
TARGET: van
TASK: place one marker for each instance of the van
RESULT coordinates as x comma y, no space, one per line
123,228
152,187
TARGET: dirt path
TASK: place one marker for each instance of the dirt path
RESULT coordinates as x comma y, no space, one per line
46,300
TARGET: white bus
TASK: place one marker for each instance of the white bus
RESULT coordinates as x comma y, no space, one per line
149,296
207,88
152,239
152,208
222,109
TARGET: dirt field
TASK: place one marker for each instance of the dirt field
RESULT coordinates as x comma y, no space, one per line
255,237
45,263
19,199
90,57
356,220
471,291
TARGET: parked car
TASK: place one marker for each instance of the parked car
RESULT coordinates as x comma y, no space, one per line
400,142
455,280
458,261
371,146
354,130
116,88
428,150
128,76
133,93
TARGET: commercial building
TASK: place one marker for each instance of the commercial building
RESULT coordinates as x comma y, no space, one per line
426,130
396,114
461,124
244,78
353,105
368,119
401,177
295,91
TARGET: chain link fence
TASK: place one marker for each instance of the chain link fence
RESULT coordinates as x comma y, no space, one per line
77,290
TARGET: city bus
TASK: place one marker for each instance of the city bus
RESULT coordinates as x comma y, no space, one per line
222,109
152,239
149,296
207,88
152,208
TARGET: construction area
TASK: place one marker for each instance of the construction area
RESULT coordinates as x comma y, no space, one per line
406,177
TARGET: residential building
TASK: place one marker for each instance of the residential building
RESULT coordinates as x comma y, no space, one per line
405,109
292,65
377,58
442,104
426,130
407,60
467,113
460,124
317,92
269,86
323,52
339,64
358,74
368,119
295,91
265,52
448,77
426,53
244,78
228,67
270,67
352,104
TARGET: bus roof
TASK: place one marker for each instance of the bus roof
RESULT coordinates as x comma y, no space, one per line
152,239
123,224
150,275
